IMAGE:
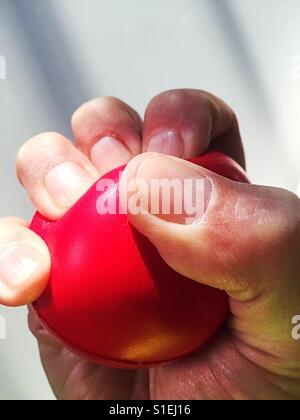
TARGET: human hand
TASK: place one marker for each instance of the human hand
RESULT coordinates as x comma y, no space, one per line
254,356
246,243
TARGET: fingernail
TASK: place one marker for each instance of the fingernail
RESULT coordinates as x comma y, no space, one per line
173,190
167,142
109,153
17,264
66,183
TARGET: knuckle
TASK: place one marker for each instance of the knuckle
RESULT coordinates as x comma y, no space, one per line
192,101
287,220
7,221
178,96
99,104
50,143
276,233
101,112
41,142
173,97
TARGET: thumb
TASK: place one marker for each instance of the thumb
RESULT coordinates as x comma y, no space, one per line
241,238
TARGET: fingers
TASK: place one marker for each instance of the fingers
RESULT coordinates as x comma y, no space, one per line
186,123
24,263
108,131
54,173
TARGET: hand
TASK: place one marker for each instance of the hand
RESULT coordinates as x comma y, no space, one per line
246,244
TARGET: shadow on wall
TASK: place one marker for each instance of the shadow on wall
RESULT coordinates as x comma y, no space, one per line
53,55
2,67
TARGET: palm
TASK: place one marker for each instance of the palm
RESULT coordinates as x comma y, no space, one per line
73,378
219,371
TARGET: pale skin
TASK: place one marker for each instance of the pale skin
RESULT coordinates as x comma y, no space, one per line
248,247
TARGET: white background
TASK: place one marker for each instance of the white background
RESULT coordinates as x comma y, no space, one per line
60,53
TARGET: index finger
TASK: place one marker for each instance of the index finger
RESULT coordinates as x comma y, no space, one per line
187,123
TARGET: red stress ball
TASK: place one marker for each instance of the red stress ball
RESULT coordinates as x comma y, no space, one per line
112,299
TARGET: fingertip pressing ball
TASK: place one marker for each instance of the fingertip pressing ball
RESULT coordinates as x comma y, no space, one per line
112,299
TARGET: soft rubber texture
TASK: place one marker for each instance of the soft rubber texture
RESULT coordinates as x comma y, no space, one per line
112,299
